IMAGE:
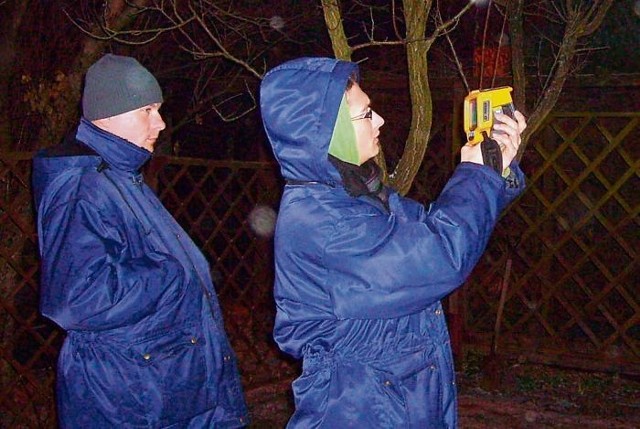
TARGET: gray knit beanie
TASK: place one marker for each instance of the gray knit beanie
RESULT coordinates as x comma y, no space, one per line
115,84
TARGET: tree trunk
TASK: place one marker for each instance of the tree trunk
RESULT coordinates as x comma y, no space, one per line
417,47
333,19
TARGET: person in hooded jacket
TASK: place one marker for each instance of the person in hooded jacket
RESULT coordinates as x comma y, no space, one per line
145,344
361,270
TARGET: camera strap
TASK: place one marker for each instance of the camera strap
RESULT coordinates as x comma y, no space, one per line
491,154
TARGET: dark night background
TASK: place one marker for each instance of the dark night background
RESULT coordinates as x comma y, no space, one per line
48,44
573,236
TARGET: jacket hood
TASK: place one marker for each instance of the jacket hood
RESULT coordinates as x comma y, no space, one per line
299,103
90,146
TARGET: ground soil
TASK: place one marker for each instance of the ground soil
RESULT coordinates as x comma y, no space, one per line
501,394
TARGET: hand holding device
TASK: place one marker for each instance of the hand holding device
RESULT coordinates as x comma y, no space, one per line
480,107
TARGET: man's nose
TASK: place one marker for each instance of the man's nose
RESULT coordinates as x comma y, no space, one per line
159,122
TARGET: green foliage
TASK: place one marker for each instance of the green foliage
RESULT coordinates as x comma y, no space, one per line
556,381
595,384
526,383
472,363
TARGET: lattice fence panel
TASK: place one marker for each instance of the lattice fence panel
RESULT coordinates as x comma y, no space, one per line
213,202
436,166
28,342
573,242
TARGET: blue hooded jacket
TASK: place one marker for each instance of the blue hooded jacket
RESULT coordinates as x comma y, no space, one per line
145,343
358,284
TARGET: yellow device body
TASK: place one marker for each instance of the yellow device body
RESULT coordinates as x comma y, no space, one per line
479,108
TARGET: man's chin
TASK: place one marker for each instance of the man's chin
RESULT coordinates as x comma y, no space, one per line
150,146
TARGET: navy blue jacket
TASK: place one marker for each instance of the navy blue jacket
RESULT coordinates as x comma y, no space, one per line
146,346
358,285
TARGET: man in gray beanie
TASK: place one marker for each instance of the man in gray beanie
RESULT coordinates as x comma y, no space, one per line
116,84
145,343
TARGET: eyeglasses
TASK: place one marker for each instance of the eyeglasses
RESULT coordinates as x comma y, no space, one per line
366,115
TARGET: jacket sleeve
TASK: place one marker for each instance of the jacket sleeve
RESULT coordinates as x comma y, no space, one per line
91,280
389,266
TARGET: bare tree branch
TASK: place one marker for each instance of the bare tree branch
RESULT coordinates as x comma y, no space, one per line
581,18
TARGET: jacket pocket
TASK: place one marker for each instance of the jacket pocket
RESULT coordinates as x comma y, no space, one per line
173,372
356,396
414,380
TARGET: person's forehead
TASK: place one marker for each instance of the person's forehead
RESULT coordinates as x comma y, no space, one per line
356,96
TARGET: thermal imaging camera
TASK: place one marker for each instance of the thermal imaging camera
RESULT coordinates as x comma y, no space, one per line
479,108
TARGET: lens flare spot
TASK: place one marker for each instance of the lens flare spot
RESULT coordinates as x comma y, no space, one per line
262,221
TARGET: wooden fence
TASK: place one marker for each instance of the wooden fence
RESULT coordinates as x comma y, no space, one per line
565,257
561,270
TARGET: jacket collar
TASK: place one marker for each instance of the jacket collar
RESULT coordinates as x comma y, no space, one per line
115,151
